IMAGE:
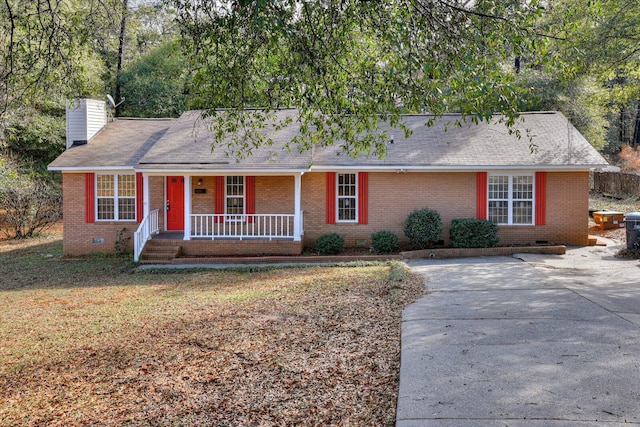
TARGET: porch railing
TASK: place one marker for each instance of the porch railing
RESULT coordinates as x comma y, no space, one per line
243,226
148,227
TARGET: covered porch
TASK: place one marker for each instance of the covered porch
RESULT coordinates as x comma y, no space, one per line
210,215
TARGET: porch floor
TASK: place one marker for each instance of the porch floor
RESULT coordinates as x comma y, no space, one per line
169,235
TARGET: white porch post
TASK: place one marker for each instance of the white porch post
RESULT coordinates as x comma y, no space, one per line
145,195
297,220
187,208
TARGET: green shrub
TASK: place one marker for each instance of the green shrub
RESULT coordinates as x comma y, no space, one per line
473,233
423,228
385,242
329,244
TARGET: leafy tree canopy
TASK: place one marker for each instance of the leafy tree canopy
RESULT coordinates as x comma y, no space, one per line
37,138
154,85
349,65
594,47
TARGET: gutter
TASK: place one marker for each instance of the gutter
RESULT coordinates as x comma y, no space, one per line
328,168
473,168
90,168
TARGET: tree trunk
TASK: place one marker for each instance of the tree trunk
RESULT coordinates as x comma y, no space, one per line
123,27
636,128
622,127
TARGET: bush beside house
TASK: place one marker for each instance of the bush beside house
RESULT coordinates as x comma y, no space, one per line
423,228
330,244
473,233
385,242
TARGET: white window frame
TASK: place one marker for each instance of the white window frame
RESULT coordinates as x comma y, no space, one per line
339,197
235,217
510,199
115,197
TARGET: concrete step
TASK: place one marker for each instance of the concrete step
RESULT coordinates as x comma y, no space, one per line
154,261
158,249
159,254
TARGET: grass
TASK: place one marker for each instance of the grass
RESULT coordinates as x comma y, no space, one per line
96,342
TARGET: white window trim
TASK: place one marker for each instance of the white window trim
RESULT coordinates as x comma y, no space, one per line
338,197
115,197
510,200
233,217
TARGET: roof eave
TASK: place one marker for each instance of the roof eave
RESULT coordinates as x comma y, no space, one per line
220,171
331,168
449,168
79,169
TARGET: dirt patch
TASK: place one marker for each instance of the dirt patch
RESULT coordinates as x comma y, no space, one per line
617,234
622,203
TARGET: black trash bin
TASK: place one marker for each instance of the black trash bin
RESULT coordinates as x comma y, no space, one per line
632,224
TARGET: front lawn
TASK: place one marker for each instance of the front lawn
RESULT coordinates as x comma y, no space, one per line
96,342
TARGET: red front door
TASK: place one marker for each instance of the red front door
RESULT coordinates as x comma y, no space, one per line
175,203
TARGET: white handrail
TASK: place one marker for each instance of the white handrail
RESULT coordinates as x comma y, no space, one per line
148,227
242,226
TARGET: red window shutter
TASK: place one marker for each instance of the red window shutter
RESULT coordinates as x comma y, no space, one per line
219,198
481,194
250,196
541,198
331,197
363,198
89,197
139,197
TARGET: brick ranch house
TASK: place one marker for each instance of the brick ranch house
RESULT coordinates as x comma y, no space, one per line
158,178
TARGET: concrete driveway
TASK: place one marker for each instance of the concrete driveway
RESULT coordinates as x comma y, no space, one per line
543,340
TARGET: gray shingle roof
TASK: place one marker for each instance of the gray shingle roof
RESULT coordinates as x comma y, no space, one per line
185,144
121,144
555,142
188,144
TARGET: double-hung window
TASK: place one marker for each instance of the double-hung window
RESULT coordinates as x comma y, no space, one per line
347,197
511,199
234,198
116,197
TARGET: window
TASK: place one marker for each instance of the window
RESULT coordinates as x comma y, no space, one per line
511,199
347,197
234,197
116,197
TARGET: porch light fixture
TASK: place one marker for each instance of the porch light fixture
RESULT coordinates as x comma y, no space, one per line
199,182
401,171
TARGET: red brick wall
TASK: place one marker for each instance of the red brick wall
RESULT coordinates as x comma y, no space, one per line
391,198
274,195
243,247
157,198
567,213
77,235
203,203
